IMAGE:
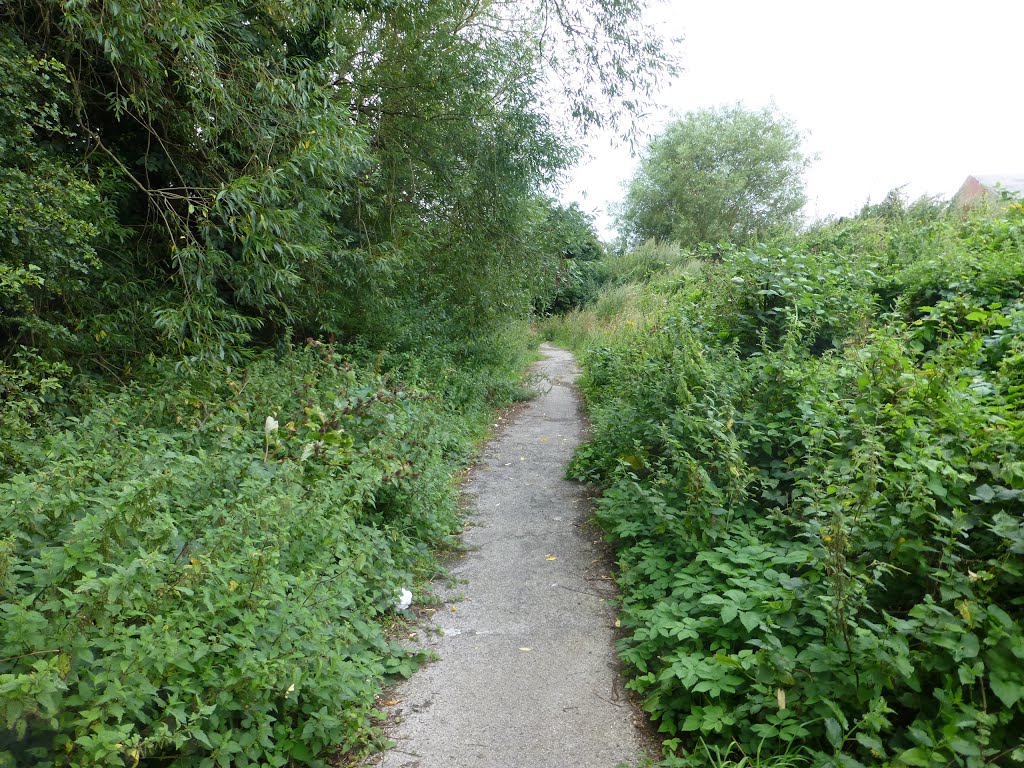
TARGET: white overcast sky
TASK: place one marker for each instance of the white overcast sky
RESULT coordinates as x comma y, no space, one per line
888,93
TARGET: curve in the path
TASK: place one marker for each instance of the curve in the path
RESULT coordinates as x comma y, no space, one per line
527,673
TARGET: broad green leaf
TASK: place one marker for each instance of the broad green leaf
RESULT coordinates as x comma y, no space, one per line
834,732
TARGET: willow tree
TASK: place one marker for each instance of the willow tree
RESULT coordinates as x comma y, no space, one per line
274,168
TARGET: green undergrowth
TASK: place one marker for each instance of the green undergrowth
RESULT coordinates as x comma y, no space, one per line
183,582
636,287
811,465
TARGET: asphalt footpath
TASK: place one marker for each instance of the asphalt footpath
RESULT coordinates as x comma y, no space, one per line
527,675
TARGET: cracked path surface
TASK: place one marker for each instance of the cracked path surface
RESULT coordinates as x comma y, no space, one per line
527,676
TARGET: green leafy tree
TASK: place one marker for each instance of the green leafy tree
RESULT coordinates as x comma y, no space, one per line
571,252
717,174
46,227
287,170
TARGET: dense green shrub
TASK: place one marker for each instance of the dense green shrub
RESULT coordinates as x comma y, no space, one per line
573,252
181,583
813,477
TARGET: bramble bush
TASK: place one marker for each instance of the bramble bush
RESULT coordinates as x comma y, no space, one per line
812,474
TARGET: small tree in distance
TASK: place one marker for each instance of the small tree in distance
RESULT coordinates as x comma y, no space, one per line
727,173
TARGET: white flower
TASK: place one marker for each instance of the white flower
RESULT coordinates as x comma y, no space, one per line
271,425
290,689
404,600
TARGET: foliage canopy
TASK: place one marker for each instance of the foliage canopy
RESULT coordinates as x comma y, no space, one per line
268,171
727,174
